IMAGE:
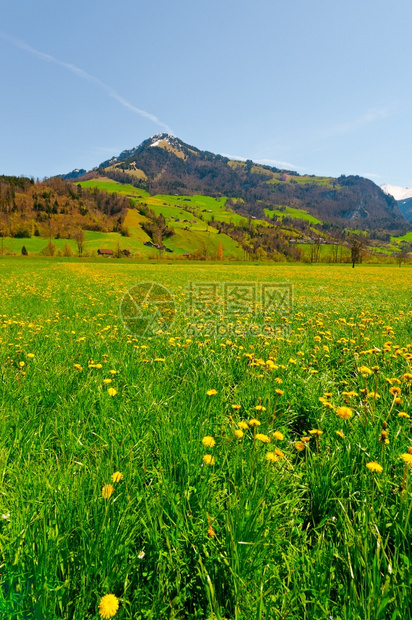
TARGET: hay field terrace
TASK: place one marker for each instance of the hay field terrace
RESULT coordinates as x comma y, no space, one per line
235,477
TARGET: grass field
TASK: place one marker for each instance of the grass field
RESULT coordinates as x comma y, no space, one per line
293,213
214,471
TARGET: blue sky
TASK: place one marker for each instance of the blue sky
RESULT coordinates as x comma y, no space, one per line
319,86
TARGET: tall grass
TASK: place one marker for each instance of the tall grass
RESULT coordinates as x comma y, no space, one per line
310,534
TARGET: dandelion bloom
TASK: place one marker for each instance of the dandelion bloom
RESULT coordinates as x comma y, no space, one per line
279,392
244,425
272,457
78,367
21,364
278,435
107,381
373,395
254,422
117,476
365,371
340,434
208,441
260,408
306,439
407,458
316,431
344,412
107,491
239,433
236,407
279,453
108,606
299,445
211,392
263,438
403,414
374,466
208,459
112,392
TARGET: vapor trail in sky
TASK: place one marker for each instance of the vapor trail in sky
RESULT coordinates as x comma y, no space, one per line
89,78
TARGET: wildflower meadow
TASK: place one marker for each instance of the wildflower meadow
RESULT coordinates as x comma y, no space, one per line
228,475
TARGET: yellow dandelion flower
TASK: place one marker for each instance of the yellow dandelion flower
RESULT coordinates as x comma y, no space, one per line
344,412
407,458
306,439
117,476
365,371
299,445
279,392
373,395
30,355
278,435
208,441
279,453
272,457
395,391
260,408
243,425
263,438
340,434
113,372
208,459
374,466
106,381
78,367
236,407
112,392
211,392
254,422
316,431
107,491
108,606
22,364
278,380
403,414
239,433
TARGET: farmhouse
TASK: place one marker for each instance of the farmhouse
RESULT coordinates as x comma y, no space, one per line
104,252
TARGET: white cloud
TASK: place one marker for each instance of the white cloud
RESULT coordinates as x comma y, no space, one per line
371,116
267,162
89,78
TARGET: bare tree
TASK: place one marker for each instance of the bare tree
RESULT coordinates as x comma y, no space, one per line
357,250
402,256
80,239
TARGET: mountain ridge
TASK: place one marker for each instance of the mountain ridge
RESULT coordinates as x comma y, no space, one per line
164,164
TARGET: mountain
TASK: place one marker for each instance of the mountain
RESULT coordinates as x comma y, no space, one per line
403,196
164,164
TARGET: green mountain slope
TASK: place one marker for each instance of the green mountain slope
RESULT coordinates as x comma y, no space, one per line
164,164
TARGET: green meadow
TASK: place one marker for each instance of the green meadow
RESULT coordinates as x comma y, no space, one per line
250,460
